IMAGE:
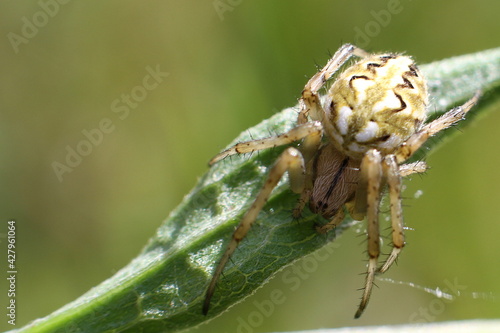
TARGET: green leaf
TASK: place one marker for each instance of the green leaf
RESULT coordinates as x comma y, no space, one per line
163,288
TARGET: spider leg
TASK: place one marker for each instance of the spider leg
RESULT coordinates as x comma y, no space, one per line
450,118
393,178
309,148
411,168
305,195
367,199
404,170
290,160
334,222
393,174
311,129
310,103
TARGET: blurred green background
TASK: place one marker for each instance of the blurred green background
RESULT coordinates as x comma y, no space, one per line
230,64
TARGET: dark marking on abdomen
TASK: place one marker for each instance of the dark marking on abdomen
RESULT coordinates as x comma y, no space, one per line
355,77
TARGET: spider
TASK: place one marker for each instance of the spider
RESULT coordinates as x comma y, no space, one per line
354,142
